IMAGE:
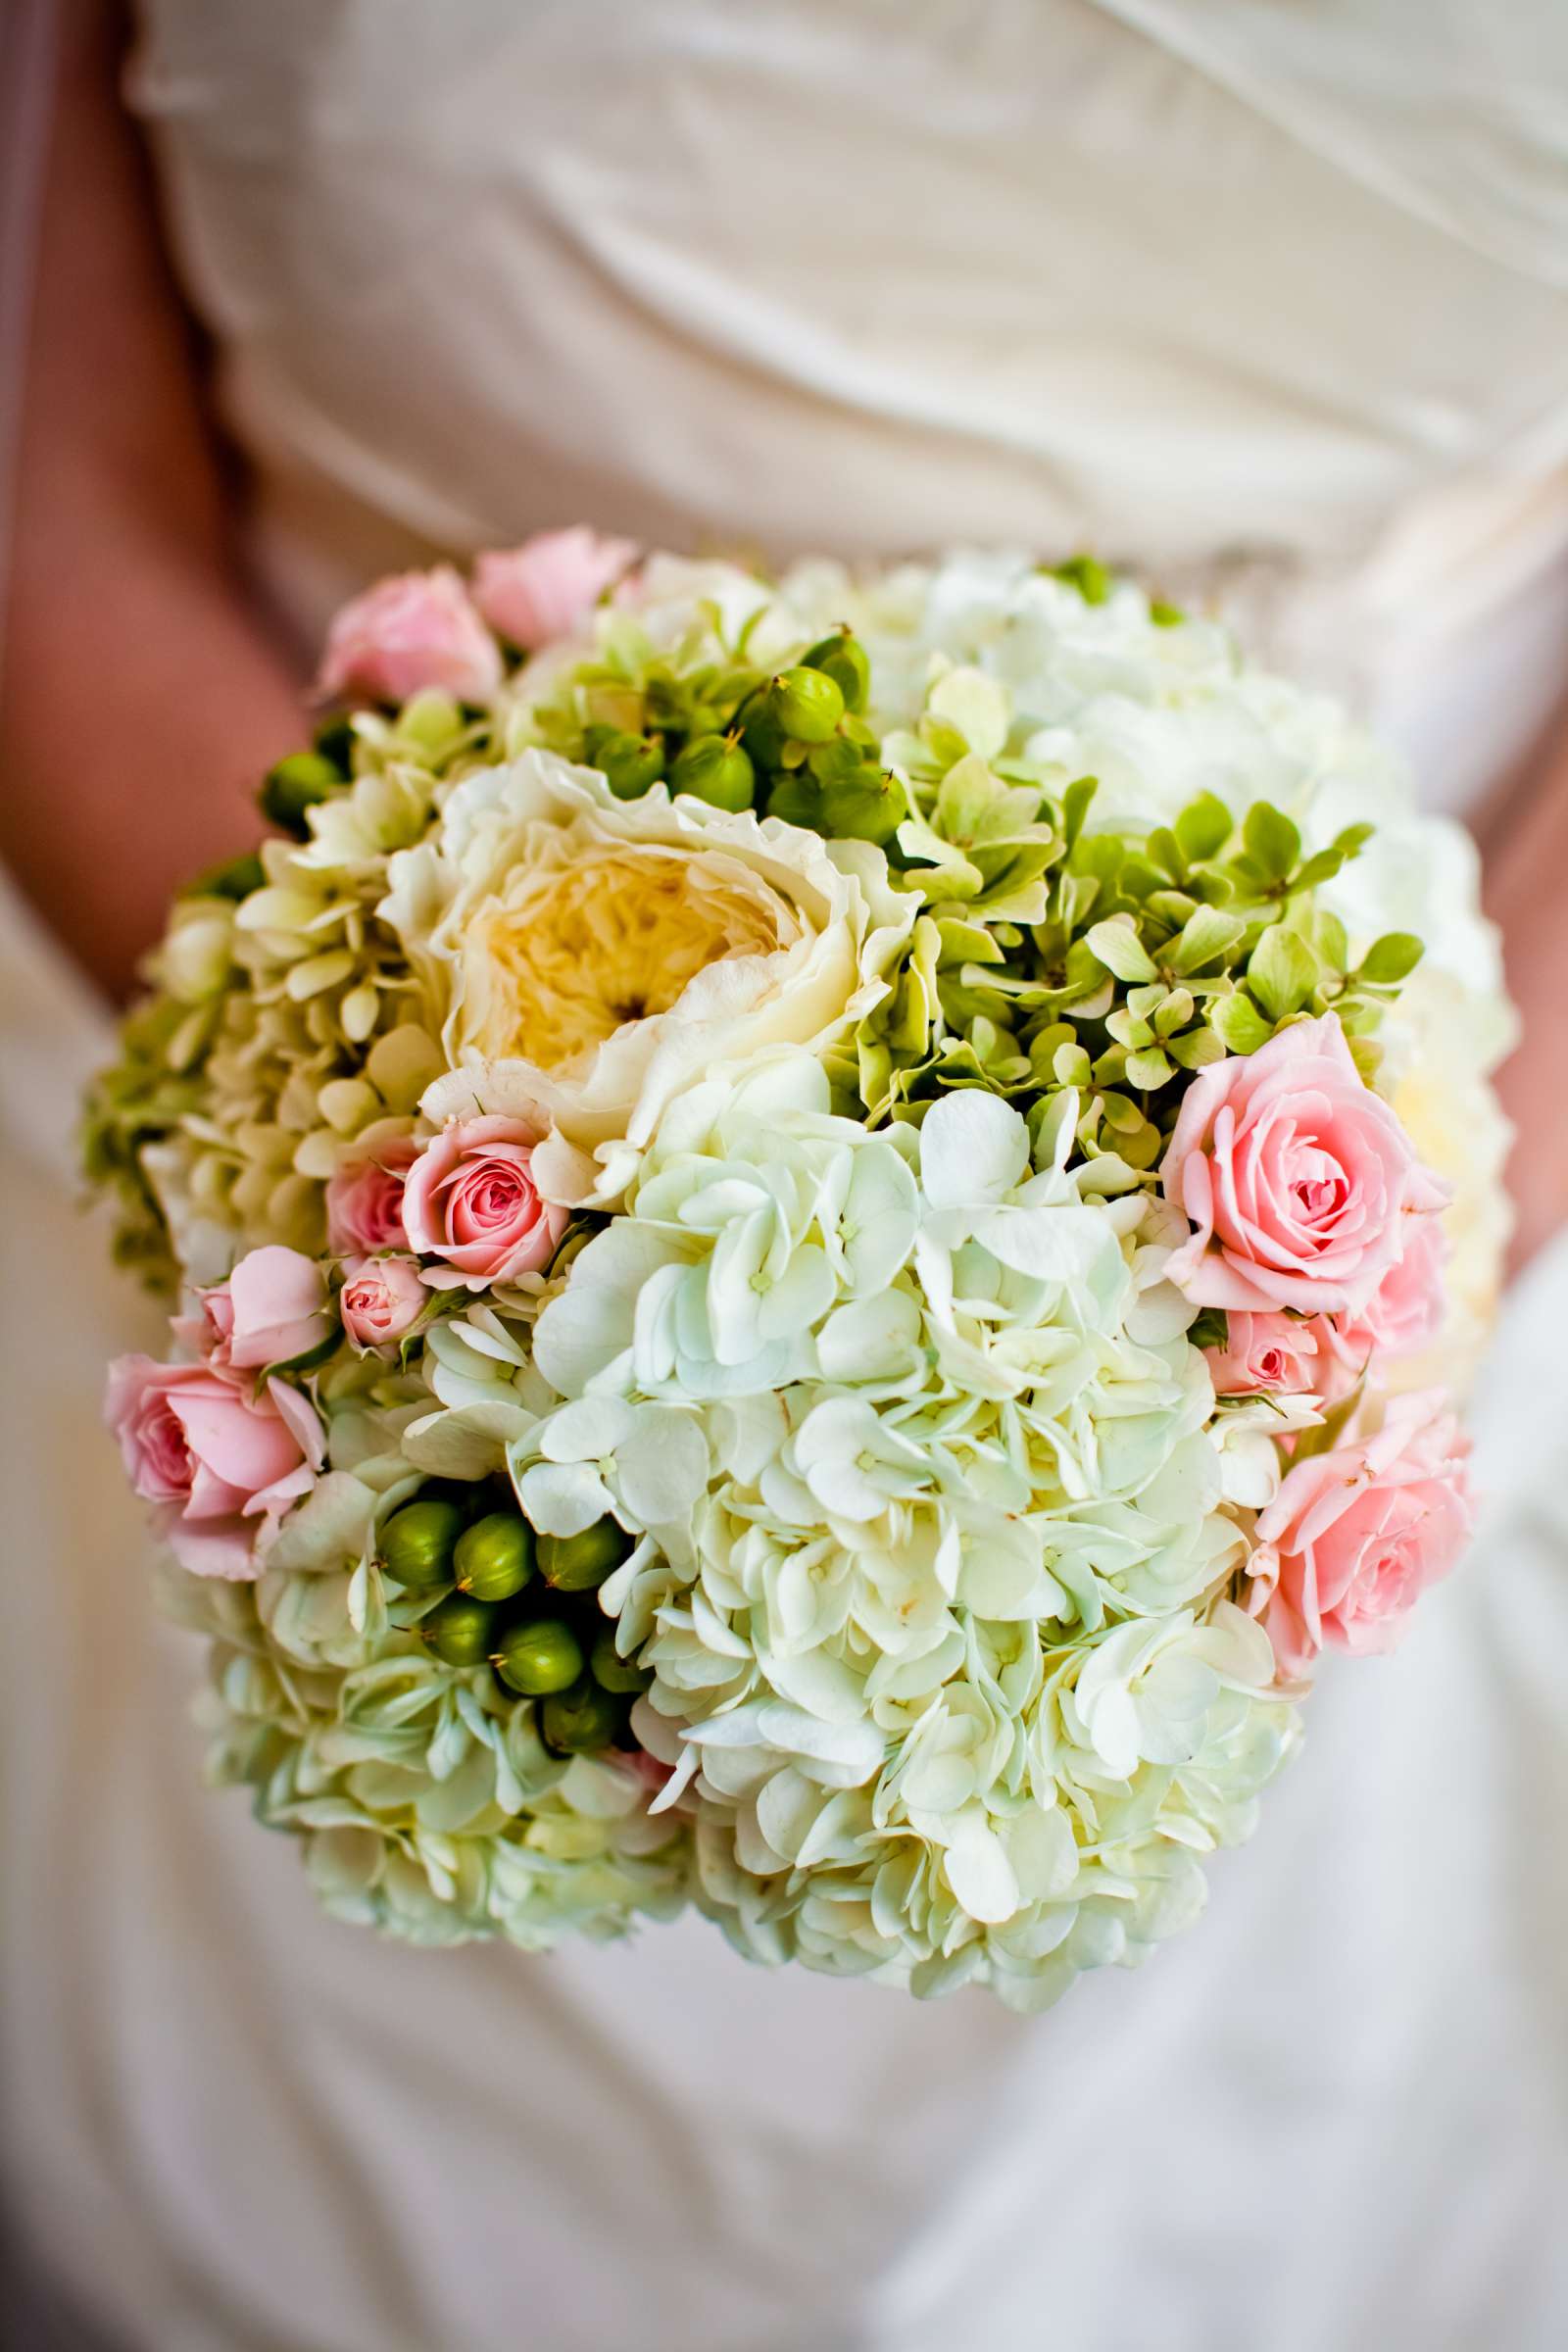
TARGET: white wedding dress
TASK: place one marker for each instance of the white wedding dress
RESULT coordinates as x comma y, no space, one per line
1273,299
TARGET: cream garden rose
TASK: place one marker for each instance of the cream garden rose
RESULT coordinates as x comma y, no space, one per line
587,958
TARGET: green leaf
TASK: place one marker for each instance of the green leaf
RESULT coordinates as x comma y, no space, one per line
1165,850
1171,908
1333,948
1140,877
1238,1023
1352,840
1198,1048
1164,615
1271,839
1148,1069
1211,1329
1206,936
1282,972
1075,806
1120,1114
1335,1422
1203,827
1391,959
1118,947
1320,869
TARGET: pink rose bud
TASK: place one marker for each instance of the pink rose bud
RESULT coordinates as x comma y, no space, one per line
1354,1537
1279,1355
381,1299
547,588
365,1199
271,1310
1298,1180
415,630
220,1464
470,1200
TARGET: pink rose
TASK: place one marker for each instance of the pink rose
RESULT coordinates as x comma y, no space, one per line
416,629
223,1465
1406,1309
547,588
1280,1355
470,1199
1354,1537
272,1308
381,1299
365,1198
1298,1180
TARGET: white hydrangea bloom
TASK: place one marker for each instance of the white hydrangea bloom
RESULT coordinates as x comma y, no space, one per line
935,1540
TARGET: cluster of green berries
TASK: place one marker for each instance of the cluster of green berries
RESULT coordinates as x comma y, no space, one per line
522,1603
796,745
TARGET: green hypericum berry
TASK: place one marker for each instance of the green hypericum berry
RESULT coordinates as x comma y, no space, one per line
537,1657
843,659
576,1563
837,762
580,1719
334,739
294,785
715,769
759,731
629,764
870,807
1088,575
612,1672
461,1630
798,800
417,1542
494,1557
805,705
236,878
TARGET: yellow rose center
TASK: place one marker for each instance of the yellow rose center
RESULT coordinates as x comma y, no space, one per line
569,954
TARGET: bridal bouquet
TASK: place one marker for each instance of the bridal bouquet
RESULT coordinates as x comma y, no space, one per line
819,1233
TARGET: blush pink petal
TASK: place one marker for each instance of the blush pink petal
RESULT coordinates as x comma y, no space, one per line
381,1300
365,1198
545,590
415,630
1295,1176
213,1456
1355,1535
276,1308
470,1202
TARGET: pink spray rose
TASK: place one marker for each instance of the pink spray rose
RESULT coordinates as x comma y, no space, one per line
1353,1537
221,1464
470,1200
1298,1180
415,629
547,588
381,1299
1279,1355
1325,1355
1406,1311
365,1198
272,1308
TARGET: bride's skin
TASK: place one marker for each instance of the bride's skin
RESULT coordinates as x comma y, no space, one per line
142,694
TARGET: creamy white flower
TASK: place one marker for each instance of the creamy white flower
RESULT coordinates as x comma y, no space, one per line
587,958
970,1442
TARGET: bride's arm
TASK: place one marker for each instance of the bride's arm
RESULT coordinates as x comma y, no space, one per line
1525,849
140,697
